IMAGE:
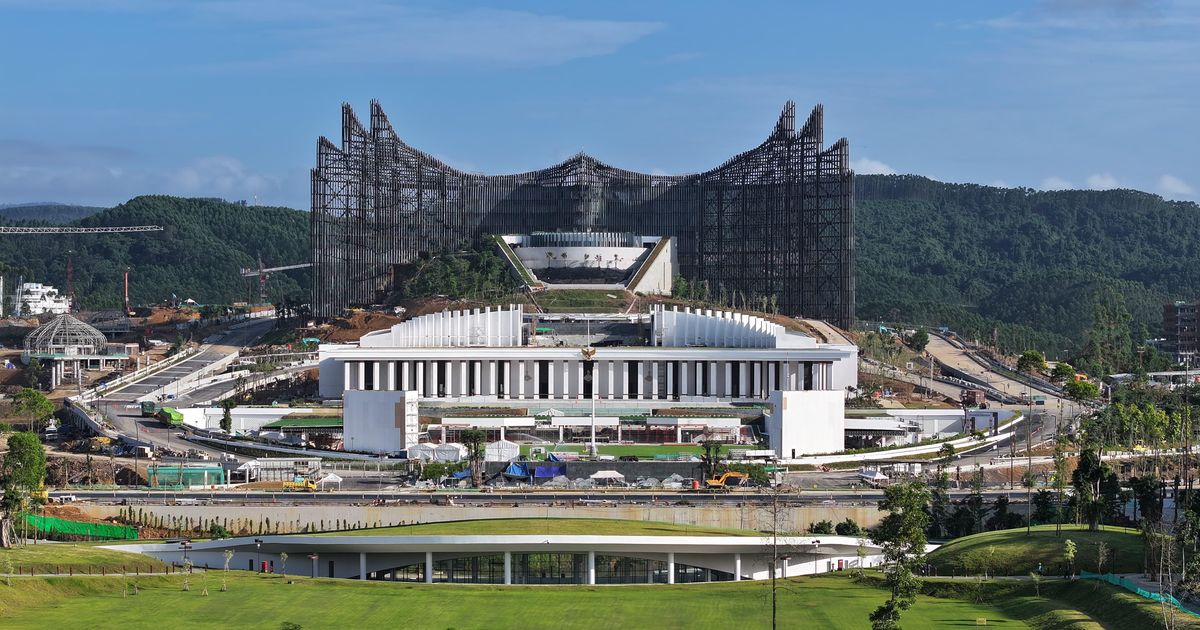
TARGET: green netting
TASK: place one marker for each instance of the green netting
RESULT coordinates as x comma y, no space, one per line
1131,586
51,525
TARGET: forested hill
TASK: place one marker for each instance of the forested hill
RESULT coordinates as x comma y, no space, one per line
974,256
48,212
198,255
1031,264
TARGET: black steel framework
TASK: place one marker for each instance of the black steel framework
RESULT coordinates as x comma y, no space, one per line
777,220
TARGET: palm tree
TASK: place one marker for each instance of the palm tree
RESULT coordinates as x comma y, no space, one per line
475,440
1028,480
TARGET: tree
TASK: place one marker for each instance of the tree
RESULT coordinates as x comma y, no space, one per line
847,527
227,406
1029,481
22,476
711,457
283,562
1069,555
34,405
1045,508
1062,372
946,452
821,527
33,372
1060,479
1031,361
1081,391
1147,492
919,341
901,538
476,441
939,506
225,574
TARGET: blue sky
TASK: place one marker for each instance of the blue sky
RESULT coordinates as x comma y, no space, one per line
101,100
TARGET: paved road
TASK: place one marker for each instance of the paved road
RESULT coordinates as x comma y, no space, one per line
869,496
121,409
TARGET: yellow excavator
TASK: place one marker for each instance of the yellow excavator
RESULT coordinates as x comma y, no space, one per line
725,481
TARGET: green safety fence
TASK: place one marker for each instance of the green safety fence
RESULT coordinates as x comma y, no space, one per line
51,525
1131,586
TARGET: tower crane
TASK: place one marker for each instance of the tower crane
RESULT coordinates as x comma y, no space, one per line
262,272
71,229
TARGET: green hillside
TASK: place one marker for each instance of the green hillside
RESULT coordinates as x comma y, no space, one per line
47,212
198,255
1032,263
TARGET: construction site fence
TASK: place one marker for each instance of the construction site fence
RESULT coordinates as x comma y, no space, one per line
62,529
1131,586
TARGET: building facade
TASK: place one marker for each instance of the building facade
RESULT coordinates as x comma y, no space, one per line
774,223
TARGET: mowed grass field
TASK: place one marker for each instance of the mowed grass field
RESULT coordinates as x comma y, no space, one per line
535,526
257,601
1016,553
79,558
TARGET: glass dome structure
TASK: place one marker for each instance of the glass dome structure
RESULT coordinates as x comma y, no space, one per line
65,336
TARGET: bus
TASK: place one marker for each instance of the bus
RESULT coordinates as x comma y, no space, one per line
169,416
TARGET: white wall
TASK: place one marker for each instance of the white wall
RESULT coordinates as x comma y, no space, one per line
807,422
244,418
380,421
659,275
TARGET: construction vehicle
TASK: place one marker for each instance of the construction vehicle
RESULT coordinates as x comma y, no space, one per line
149,409
299,484
726,481
169,416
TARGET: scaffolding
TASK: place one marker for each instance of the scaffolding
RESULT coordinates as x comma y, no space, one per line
771,225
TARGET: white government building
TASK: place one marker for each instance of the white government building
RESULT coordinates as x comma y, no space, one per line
666,358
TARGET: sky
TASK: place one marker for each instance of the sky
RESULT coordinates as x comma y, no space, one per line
103,100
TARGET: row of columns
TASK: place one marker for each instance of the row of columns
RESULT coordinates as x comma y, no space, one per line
612,380
591,567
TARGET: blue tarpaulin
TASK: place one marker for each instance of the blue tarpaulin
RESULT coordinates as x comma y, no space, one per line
519,471
549,472
462,474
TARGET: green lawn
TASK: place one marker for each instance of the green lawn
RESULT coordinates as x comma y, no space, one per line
1013,553
254,601
582,300
534,526
64,557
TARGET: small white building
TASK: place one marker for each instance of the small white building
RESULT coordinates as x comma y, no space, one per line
33,298
501,451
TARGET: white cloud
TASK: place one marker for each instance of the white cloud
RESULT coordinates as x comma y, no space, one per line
867,166
1000,183
1102,181
1172,186
1055,182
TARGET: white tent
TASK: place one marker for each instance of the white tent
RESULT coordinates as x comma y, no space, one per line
424,451
501,451
607,475
449,452
330,478
552,412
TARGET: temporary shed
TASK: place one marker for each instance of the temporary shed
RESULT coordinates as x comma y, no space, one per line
449,452
607,476
501,451
330,479
424,451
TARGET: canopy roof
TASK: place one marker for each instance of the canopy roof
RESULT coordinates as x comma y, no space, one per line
65,335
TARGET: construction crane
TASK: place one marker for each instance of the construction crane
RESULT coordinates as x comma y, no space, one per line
262,273
70,229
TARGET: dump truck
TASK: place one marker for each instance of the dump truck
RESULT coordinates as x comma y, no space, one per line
149,409
169,416
299,485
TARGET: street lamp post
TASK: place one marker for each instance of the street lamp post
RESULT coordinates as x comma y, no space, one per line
258,554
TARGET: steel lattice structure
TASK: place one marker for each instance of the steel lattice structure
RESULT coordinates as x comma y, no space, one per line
777,220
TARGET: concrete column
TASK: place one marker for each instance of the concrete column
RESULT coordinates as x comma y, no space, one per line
700,376
737,567
591,567
477,371
432,368
391,376
713,390
727,386
376,373
566,380
464,380
758,381
671,380
684,383
625,380
640,379
347,382
362,565
579,368
405,378
612,384
362,375
537,379
419,375
743,379
670,567
508,567
771,384
520,384
653,380
429,567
